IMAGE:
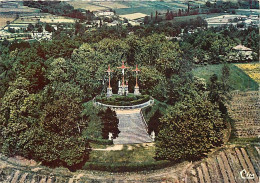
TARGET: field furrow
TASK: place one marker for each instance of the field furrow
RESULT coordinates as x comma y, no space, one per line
249,163
227,167
235,165
214,171
205,172
23,177
200,175
222,169
242,161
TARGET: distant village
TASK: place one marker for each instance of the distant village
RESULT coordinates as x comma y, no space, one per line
40,26
31,24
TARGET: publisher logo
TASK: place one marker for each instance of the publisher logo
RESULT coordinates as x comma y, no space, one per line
246,175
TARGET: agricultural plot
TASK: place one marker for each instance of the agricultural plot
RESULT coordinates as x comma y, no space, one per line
21,9
148,7
252,69
227,165
244,109
112,5
179,5
134,16
4,19
86,6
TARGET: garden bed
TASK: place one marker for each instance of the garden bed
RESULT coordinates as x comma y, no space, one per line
118,100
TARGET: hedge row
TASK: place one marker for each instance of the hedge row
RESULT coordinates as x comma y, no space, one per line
123,100
126,167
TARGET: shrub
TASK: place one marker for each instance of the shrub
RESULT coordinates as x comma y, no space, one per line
129,100
126,167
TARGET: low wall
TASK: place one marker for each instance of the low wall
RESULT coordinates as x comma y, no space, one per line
150,102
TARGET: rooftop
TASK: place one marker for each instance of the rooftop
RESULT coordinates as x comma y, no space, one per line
241,48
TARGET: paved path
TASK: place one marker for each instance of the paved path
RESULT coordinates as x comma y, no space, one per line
132,128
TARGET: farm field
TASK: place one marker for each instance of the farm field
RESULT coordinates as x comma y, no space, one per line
226,165
252,69
112,5
239,80
86,6
148,7
4,19
45,18
244,109
21,9
134,16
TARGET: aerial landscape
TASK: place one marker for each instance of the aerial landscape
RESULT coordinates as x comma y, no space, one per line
129,91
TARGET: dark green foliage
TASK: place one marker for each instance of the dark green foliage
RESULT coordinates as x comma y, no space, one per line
59,8
110,123
128,167
189,129
219,90
154,122
128,100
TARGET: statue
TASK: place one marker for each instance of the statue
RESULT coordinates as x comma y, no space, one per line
122,88
110,136
153,135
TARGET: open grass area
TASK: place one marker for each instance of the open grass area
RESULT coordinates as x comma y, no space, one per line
239,80
134,157
130,153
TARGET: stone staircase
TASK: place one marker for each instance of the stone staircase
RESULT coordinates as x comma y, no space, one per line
132,128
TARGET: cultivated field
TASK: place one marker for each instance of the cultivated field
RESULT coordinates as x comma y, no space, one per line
148,7
179,5
226,166
45,18
244,109
134,16
252,69
4,19
21,9
112,5
87,6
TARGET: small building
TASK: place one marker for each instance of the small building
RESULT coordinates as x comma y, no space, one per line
243,52
104,13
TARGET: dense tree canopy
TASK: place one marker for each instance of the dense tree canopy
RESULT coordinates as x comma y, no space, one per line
46,90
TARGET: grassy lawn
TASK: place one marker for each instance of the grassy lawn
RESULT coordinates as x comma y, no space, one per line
130,153
134,157
239,80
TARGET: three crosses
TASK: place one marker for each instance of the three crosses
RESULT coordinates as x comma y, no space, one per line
123,67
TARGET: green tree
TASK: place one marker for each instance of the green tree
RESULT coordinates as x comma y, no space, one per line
110,123
189,129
